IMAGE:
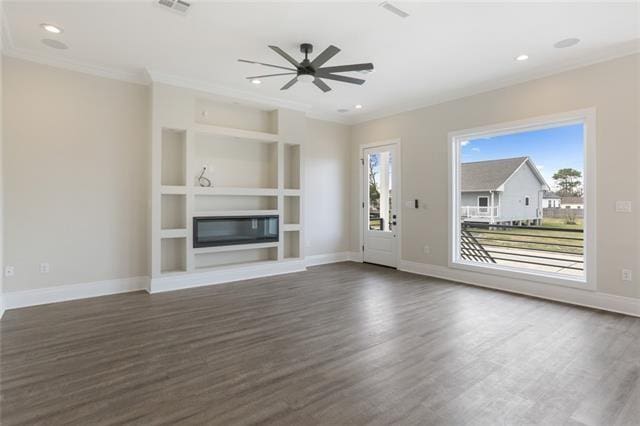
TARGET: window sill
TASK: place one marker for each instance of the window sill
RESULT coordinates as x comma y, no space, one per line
538,277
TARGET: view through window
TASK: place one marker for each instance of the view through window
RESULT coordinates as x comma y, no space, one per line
380,191
521,201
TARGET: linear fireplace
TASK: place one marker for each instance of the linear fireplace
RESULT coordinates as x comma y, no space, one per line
229,230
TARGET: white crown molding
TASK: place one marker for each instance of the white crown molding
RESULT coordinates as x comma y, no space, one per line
614,52
77,66
587,298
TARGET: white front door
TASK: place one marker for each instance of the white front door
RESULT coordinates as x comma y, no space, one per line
381,205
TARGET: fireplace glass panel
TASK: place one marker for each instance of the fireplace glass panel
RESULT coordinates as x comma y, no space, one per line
222,231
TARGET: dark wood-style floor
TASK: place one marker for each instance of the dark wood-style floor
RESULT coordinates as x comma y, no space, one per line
339,344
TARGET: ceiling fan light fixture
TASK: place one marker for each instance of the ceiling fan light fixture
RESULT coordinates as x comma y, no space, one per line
306,78
358,106
522,57
256,81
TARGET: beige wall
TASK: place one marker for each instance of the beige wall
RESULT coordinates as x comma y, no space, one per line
611,87
326,193
76,169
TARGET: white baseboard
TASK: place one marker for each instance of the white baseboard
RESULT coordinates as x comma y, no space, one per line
41,296
226,275
355,256
588,298
323,259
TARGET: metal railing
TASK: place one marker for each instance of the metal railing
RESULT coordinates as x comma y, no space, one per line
479,212
536,247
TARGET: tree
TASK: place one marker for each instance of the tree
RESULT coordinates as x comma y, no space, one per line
374,194
569,182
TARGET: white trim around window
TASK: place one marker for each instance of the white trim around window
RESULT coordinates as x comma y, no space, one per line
587,117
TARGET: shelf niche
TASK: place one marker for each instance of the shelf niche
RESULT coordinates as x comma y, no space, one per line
206,203
291,244
291,210
235,163
226,114
173,214
173,255
174,157
291,166
230,258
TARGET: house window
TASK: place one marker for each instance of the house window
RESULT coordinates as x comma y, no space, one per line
493,170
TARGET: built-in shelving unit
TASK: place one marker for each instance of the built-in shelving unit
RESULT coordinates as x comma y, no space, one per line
253,159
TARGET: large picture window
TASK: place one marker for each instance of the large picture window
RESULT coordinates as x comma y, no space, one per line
519,199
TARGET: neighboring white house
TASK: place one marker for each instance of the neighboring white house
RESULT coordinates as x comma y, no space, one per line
506,191
572,203
550,200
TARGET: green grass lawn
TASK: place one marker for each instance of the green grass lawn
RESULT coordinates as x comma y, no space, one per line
552,222
527,238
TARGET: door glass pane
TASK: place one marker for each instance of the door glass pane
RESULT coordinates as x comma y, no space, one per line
380,185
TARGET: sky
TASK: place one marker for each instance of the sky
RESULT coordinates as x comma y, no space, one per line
550,149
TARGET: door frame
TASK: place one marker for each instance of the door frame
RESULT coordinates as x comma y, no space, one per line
397,182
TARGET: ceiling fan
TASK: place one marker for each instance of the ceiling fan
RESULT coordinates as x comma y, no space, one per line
308,71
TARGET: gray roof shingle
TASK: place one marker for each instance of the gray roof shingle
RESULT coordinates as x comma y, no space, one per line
488,175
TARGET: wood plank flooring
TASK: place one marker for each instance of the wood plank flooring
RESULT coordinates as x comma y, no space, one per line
339,344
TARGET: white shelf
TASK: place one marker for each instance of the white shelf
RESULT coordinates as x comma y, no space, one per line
251,135
173,233
291,227
198,190
236,247
236,213
173,190
292,192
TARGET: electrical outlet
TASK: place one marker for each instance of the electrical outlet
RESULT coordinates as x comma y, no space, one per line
626,275
427,249
44,268
9,271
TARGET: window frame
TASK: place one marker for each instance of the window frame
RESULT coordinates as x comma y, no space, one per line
586,117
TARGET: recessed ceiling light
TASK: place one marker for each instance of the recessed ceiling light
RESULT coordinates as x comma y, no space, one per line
54,43
358,106
51,28
256,81
567,42
522,57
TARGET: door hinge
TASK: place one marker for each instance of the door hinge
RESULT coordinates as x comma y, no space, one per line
362,161
363,247
363,205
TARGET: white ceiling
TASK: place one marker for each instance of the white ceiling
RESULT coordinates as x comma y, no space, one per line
442,51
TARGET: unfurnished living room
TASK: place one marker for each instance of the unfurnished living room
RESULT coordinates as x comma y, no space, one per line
319,213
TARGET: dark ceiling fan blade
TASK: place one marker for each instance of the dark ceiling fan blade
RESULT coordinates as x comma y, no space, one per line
326,54
266,65
270,75
340,78
321,85
347,68
290,83
285,55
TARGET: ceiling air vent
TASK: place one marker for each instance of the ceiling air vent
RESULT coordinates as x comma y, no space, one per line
395,10
179,6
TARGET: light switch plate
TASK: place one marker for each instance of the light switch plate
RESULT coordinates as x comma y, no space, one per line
626,275
623,206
